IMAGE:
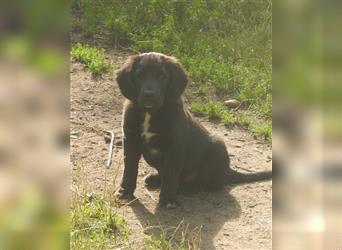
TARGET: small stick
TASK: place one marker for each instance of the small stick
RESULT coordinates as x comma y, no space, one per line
109,162
74,134
245,169
149,194
130,202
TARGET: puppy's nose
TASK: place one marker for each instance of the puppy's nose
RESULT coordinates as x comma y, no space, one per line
149,93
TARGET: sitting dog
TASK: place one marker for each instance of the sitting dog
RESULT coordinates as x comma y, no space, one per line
157,126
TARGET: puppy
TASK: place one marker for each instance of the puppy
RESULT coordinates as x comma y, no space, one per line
157,126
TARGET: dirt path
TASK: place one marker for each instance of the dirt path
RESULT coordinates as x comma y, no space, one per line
238,217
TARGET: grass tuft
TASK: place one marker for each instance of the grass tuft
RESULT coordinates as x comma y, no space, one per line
93,58
217,110
178,238
94,225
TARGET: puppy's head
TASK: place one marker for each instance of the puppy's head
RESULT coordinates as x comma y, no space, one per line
152,79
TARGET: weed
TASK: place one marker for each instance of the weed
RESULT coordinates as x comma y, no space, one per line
92,57
262,129
178,238
94,225
216,110
198,108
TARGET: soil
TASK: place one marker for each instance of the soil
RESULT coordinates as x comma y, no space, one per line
238,217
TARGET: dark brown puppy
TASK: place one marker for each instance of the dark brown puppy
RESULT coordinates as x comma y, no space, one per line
158,126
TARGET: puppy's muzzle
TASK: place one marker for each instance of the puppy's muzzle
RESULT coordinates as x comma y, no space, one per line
150,98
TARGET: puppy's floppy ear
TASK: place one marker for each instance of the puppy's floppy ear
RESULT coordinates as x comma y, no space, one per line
179,79
124,77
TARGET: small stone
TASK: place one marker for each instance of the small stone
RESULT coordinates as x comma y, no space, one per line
232,103
257,150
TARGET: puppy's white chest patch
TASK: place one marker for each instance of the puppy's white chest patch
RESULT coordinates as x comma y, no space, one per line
146,125
154,151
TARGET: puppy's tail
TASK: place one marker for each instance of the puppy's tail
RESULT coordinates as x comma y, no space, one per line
235,177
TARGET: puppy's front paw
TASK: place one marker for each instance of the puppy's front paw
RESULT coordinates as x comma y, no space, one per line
123,194
171,205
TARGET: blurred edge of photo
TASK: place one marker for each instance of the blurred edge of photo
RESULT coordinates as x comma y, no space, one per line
34,124
307,132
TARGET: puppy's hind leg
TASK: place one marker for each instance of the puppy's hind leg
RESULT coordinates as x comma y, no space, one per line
189,184
212,178
213,175
189,188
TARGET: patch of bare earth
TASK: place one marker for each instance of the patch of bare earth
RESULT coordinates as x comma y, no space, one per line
238,217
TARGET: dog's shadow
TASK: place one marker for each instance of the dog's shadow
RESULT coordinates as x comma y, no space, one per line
201,216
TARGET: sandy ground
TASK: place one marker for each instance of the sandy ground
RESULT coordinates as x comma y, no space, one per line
238,217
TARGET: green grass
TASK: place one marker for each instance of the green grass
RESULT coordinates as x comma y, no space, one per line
262,129
93,58
161,243
217,110
180,238
226,46
94,225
